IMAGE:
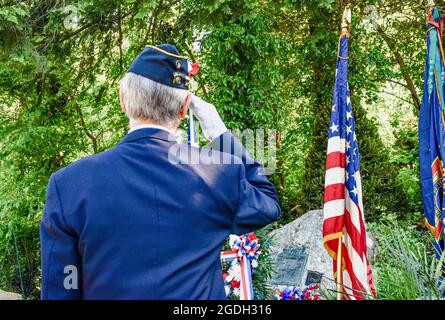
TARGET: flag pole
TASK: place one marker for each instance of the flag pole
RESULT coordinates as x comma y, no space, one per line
345,23
339,269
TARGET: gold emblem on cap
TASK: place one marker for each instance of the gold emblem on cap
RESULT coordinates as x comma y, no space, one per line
178,64
177,78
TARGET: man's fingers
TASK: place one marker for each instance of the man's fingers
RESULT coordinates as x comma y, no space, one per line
198,105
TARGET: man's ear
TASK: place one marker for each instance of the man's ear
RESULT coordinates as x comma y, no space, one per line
121,100
185,106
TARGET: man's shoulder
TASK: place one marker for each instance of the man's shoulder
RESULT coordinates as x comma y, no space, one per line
86,165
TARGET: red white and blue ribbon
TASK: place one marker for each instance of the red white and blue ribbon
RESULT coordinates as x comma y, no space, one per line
311,292
243,257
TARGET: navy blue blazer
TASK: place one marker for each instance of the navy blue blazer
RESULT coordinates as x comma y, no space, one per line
147,220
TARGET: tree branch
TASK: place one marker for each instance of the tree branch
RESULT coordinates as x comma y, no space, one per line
88,133
392,94
120,40
92,23
401,62
391,80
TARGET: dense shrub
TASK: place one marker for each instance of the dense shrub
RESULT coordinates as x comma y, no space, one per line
406,267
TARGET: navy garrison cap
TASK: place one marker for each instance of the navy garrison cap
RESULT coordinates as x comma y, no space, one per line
165,65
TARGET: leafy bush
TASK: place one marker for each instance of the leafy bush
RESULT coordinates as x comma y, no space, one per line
406,267
265,267
20,259
406,156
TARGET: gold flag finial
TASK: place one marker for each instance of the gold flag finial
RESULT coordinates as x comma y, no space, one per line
346,20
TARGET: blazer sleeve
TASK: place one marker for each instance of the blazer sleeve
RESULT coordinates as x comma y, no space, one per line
258,204
61,263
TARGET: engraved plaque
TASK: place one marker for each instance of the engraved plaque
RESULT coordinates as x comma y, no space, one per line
290,267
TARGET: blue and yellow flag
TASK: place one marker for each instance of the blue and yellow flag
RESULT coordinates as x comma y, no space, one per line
432,132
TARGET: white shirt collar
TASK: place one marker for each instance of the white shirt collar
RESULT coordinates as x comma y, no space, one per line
143,126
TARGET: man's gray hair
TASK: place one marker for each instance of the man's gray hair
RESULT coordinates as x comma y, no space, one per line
145,99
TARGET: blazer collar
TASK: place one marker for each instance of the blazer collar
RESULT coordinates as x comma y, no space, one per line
144,133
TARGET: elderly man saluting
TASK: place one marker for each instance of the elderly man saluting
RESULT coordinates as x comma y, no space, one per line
130,223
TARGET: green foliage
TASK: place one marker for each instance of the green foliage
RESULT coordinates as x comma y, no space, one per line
406,268
378,173
242,76
405,156
318,55
263,272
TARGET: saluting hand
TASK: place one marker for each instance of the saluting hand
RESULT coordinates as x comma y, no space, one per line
211,123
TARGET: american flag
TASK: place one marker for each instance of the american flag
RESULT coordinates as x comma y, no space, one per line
343,206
